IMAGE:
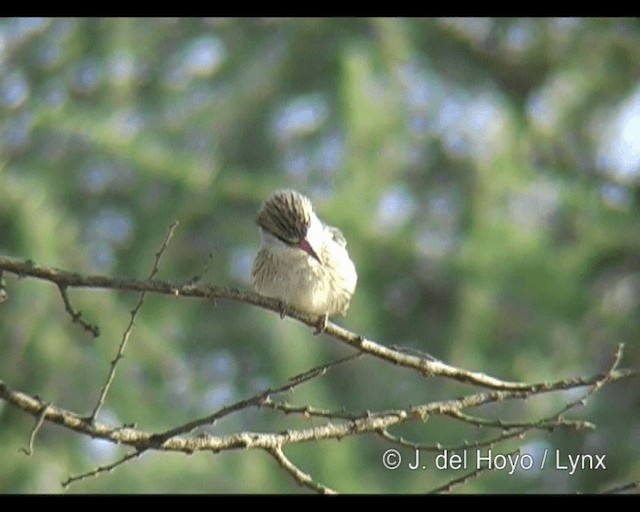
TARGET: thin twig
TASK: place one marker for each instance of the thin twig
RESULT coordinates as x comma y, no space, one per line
311,412
32,437
299,476
76,315
451,484
606,376
259,400
437,447
102,469
550,423
456,482
630,486
127,331
554,420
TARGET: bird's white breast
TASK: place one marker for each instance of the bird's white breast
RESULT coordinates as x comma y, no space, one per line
291,275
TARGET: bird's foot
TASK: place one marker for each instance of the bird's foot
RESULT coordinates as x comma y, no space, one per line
282,308
321,324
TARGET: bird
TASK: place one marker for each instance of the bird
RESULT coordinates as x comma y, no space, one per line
302,261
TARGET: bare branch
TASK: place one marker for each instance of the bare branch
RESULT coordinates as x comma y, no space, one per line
335,425
127,331
179,440
172,441
555,420
422,363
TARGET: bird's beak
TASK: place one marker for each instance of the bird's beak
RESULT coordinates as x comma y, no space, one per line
306,247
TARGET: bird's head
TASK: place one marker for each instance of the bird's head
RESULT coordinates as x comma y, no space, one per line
289,217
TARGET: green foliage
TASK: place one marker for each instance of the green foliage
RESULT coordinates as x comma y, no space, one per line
468,162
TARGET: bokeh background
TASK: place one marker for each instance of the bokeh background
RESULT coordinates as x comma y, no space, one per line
485,172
